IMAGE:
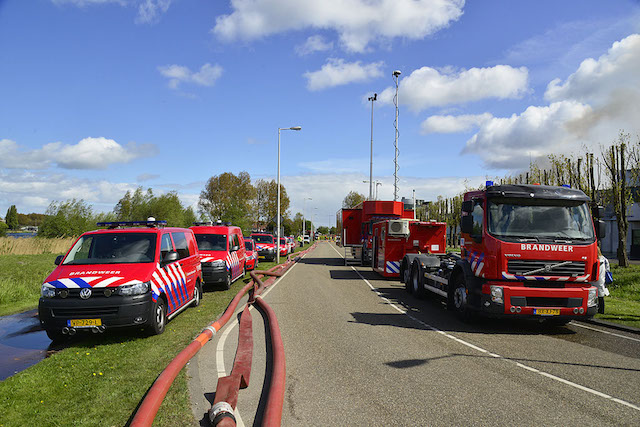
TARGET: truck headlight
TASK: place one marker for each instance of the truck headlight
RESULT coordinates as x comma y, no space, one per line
47,291
496,294
133,289
593,297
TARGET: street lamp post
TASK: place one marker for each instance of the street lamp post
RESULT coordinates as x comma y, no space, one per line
278,183
377,183
371,98
304,204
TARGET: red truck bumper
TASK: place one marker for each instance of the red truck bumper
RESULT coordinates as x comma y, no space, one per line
507,299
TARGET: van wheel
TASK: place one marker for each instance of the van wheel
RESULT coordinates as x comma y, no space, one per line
227,283
55,335
197,294
158,317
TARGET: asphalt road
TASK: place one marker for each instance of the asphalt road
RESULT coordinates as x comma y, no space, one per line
361,351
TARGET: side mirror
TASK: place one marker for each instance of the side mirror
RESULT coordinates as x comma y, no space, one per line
170,257
58,260
601,230
466,224
235,248
467,206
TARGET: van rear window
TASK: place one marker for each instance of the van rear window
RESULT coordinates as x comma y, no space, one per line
113,248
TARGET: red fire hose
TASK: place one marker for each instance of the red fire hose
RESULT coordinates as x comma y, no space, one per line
149,408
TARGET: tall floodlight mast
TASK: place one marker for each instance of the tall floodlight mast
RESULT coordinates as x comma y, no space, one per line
396,74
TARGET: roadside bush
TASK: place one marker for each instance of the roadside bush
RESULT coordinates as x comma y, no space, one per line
3,229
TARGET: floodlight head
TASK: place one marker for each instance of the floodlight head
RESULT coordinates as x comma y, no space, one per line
396,73
296,128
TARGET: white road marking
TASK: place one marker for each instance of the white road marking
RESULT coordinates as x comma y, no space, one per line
223,338
520,365
605,332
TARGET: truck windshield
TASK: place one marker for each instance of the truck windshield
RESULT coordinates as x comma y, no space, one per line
540,221
263,239
212,242
113,248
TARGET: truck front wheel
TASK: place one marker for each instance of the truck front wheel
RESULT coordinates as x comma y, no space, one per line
458,298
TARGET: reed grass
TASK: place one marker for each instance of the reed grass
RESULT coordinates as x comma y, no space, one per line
35,245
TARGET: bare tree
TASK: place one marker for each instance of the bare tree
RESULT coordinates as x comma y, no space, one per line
618,193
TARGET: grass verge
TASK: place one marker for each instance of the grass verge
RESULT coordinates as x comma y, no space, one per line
623,305
101,379
20,279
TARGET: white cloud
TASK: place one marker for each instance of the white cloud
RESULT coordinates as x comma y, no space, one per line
177,74
428,87
313,44
357,22
149,11
328,190
337,72
33,192
336,165
89,153
454,124
587,110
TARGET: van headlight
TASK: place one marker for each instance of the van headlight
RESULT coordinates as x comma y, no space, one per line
593,297
133,289
218,263
47,291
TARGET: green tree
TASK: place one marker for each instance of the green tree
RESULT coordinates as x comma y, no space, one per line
265,203
352,199
228,197
323,229
12,218
70,218
140,205
3,229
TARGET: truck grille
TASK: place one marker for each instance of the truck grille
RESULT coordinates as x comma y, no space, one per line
546,268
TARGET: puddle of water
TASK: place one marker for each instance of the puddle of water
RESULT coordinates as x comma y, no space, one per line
22,342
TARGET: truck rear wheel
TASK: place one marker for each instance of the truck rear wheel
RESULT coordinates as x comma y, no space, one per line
416,280
406,278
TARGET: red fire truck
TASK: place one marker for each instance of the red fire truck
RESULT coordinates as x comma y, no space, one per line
527,251
355,226
394,238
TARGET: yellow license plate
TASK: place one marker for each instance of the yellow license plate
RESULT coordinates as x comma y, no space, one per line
547,311
84,323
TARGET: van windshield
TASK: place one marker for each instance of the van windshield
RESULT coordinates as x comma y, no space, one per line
113,248
212,242
540,221
263,239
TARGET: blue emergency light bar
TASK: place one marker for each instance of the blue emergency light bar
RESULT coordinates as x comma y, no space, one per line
488,184
115,224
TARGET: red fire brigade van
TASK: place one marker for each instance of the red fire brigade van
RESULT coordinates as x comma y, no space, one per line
122,276
393,239
252,255
222,252
265,245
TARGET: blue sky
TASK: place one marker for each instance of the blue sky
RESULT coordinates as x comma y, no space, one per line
100,96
